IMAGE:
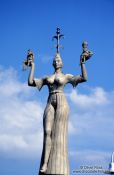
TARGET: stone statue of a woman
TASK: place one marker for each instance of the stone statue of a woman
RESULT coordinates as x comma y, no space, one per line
54,158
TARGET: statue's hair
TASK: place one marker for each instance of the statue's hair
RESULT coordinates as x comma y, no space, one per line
57,56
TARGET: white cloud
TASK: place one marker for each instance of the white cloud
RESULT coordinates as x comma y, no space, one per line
92,113
71,128
9,85
20,117
97,96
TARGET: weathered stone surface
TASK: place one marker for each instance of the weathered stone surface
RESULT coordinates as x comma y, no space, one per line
54,158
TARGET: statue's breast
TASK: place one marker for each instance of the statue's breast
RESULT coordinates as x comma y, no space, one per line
50,79
59,79
56,79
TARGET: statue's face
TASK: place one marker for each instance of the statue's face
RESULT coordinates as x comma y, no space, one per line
57,63
84,44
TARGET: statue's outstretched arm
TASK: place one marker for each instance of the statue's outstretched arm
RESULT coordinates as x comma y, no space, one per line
74,80
31,81
35,82
83,77
86,54
29,62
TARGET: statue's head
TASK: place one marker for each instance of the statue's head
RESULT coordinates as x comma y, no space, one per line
85,44
57,61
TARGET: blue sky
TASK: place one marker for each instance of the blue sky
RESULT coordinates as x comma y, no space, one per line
31,24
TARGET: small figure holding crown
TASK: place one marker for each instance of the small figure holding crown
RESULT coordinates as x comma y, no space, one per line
86,54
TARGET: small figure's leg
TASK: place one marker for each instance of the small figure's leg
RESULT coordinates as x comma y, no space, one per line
48,123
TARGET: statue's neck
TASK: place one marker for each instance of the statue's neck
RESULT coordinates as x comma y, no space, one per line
58,71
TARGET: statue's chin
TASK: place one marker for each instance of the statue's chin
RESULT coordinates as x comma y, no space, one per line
58,67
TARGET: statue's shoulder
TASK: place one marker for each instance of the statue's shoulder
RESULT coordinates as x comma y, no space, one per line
68,76
49,76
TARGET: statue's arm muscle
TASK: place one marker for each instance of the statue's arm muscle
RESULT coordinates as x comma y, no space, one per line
74,80
35,82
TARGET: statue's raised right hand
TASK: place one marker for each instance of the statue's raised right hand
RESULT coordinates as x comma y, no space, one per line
30,58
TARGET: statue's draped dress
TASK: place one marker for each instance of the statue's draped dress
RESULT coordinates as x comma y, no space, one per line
58,158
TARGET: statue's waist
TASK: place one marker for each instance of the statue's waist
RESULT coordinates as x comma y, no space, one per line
55,97
56,91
